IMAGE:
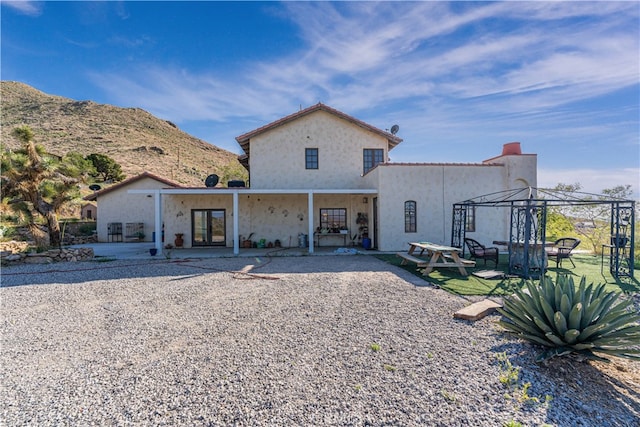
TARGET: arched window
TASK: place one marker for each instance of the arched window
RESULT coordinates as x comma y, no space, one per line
410,216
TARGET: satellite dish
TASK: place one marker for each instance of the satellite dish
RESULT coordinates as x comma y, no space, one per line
395,129
94,187
212,180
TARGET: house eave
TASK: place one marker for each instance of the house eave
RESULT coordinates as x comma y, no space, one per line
244,140
94,196
216,191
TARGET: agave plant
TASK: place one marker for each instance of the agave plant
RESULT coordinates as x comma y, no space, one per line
567,319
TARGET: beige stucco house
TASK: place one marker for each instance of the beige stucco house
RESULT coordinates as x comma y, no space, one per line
322,177
122,216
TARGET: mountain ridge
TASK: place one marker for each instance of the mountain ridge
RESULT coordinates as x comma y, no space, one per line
133,137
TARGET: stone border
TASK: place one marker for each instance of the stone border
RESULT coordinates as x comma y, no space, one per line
47,257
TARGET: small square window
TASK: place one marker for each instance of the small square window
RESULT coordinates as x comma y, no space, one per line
311,158
371,157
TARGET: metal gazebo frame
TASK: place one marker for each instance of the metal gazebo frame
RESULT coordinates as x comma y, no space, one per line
528,222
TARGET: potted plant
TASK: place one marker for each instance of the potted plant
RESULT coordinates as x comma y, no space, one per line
362,219
246,243
179,241
344,230
140,235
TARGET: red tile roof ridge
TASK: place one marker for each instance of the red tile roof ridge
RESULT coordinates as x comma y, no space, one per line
438,164
213,188
128,181
505,155
317,107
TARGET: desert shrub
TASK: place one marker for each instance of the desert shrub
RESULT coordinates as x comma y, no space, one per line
569,319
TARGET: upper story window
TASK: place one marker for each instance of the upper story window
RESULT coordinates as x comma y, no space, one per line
311,158
409,216
371,157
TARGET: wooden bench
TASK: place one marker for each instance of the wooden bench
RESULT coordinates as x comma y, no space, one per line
438,256
466,262
406,257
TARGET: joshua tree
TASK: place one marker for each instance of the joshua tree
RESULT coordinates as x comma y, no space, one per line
37,183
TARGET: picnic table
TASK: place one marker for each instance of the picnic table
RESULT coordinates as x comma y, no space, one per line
436,256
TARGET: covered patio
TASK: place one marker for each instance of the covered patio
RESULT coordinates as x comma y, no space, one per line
261,212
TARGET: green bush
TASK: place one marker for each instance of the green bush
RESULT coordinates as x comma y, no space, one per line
7,232
567,319
87,229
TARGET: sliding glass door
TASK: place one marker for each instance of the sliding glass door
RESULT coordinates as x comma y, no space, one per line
208,227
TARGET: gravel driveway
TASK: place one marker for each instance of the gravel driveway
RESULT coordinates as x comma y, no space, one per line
299,341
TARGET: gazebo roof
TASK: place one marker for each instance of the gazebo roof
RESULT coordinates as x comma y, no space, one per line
550,196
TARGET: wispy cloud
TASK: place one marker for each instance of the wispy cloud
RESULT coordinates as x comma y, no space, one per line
457,74
183,96
129,42
408,55
31,8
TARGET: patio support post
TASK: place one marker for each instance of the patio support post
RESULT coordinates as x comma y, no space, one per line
526,241
511,248
158,220
632,245
236,215
310,215
541,236
458,226
622,239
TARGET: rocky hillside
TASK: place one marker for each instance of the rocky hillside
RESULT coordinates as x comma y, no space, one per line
137,140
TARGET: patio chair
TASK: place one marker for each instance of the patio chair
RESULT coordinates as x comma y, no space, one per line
561,249
479,251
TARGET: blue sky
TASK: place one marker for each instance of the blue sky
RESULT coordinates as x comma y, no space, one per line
460,79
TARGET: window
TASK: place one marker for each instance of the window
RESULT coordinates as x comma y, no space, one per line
311,158
409,216
470,224
333,219
371,157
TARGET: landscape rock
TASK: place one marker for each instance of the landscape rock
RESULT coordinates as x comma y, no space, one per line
46,257
37,259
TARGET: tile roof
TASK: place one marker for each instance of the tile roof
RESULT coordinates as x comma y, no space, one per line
245,138
95,195
437,164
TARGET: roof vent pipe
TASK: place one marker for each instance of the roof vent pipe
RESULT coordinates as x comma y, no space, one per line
511,148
